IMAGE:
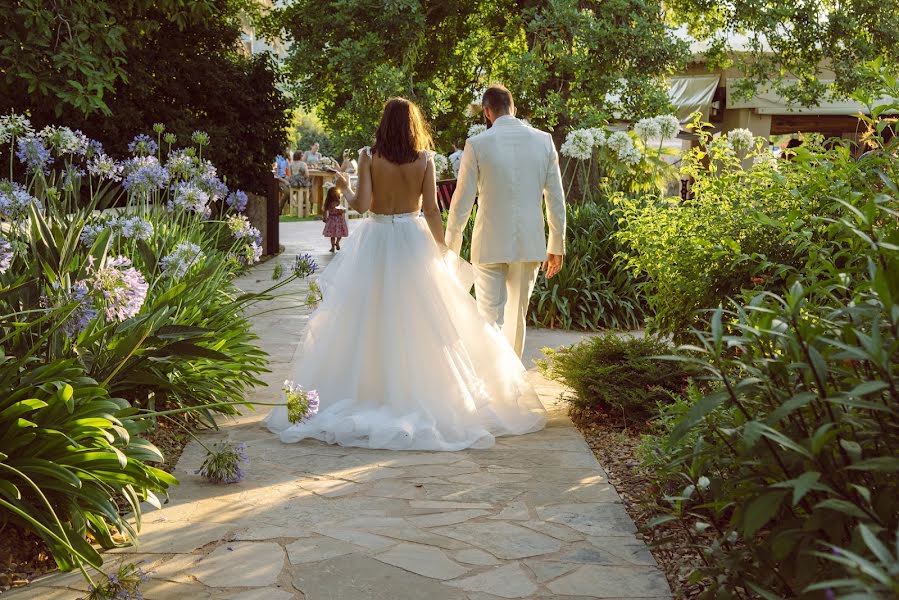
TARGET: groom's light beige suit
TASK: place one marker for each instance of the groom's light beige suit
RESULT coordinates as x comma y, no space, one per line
513,169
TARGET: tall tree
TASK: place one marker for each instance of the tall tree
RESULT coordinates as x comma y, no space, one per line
793,46
177,62
566,61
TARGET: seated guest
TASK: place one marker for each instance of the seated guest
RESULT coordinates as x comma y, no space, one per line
312,156
299,172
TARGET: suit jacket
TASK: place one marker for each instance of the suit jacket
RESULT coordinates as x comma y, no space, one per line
510,167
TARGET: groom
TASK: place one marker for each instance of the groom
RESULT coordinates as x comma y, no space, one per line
509,168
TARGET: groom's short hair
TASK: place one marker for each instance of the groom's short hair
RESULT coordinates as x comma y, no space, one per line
498,99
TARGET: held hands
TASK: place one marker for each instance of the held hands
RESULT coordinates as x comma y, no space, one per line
552,265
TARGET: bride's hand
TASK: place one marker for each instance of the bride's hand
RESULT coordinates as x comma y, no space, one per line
341,181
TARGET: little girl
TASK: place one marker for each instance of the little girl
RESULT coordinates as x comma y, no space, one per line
335,219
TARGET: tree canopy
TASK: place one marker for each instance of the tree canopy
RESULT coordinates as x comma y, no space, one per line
565,61
177,62
792,46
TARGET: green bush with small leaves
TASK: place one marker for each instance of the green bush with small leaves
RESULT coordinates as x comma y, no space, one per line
616,379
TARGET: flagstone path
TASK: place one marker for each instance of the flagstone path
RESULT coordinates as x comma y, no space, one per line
532,517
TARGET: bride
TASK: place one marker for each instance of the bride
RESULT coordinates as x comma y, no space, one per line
397,351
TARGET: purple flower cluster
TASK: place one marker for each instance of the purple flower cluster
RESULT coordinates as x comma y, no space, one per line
15,200
122,287
214,186
189,196
304,266
182,258
84,311
241,228
143,145
31,152
180,164
90,232
144,175
301,404
6,254
237,200
224,463
124,585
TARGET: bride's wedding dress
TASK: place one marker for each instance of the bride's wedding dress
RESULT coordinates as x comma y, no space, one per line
399,355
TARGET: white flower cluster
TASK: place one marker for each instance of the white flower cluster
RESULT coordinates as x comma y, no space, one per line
622,144
104,167
441,164
64,141
13,125
579,144
765,160
135,228
740,139
662,127
476,129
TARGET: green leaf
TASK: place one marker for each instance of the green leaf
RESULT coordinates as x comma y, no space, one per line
842,506
882,464
760,511
801,485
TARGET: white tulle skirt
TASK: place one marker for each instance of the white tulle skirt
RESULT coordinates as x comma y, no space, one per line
399,355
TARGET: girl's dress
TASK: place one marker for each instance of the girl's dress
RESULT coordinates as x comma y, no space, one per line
336,225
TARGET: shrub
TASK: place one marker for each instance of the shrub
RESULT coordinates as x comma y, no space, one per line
616,378
110,320
799,491
594,290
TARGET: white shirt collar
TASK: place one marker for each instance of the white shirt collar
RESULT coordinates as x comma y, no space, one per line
504,119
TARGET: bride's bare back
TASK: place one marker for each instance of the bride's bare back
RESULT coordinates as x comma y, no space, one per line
389,188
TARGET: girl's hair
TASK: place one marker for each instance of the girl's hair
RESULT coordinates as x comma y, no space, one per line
332,197
298,155
403,132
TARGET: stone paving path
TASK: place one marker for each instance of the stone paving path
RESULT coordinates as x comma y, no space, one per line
533,517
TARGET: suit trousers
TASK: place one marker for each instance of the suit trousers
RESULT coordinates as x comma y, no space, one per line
503,291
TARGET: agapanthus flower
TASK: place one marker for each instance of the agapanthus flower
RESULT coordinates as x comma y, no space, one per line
90,232
476,129
63,140
213,186
135,228
124,585
180,165
314,295
599,136
122,287
224,463
301,404
648,129
94,148
578,144
240,227
305,265
200,138
13,125
158,128
669,126
189,196
185,255
237,200
144,175
6,254
15,200
248,254
84,311
622,144
741,139
441,164
104,167
32,153
143,145
169,138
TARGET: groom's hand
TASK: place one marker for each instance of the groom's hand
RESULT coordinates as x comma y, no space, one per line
552,265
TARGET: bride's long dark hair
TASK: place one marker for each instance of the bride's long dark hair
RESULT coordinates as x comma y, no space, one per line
403,132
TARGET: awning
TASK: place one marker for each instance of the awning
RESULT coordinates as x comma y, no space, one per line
693,93
770,102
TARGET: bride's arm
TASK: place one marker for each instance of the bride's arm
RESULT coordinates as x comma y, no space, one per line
429,205
360,200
